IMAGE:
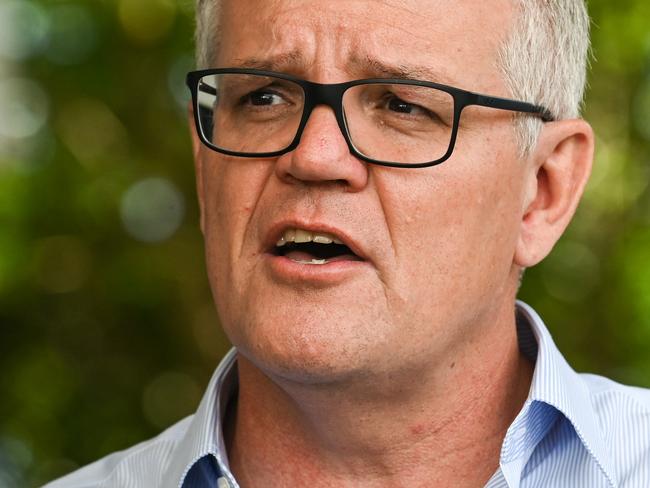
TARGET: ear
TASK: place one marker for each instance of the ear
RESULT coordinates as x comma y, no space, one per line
559,168
198,166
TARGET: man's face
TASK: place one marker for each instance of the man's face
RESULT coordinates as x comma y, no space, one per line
436,243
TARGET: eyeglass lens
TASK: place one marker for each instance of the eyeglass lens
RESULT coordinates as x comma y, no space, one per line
398,123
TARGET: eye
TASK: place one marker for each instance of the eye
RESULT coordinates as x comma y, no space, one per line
264,98
398,105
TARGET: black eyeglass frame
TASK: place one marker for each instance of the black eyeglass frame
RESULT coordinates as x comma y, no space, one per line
331,95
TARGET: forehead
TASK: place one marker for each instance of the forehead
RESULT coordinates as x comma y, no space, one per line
450,41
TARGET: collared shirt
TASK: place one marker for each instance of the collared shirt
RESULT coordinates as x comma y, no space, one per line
574,431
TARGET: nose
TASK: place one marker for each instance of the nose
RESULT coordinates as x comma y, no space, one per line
323,155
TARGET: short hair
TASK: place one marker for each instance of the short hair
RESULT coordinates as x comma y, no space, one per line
207,30
544,61
544,58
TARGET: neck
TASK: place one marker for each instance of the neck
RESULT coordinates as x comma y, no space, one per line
434,427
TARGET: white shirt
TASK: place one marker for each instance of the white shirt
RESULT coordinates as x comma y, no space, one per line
574,430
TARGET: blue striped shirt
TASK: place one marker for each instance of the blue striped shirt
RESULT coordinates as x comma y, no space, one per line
574,430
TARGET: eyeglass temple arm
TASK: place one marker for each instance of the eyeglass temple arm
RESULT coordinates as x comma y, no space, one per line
514,105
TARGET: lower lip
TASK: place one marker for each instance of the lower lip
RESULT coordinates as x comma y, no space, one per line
332,272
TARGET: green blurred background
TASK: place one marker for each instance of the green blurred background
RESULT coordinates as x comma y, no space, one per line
107,329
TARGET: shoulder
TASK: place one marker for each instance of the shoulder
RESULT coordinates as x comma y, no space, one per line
142,465
615,402
623,413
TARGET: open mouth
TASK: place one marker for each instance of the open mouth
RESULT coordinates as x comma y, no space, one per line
315,248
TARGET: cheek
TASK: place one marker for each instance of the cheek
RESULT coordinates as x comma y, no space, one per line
484,210
231,191
455,232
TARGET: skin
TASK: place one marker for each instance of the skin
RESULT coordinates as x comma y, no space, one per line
404,370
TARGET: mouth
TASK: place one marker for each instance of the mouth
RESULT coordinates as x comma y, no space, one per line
313,248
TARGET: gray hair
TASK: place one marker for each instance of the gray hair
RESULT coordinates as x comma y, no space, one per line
544,59
206,35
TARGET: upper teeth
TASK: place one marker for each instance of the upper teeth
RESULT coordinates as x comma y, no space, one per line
301,236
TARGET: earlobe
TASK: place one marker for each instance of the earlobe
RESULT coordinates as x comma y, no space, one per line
560,168
196,152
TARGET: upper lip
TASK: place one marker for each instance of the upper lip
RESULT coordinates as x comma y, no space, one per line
277,230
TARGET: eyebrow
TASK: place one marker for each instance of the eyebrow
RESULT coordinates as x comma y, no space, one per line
291,61
294,62
374,68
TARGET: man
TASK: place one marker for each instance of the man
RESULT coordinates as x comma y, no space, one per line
365,242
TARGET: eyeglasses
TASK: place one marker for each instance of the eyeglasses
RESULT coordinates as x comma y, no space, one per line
391,122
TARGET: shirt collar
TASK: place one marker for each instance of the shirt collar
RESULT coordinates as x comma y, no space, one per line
556,389
204,436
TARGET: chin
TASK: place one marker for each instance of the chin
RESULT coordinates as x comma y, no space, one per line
311,350
309,335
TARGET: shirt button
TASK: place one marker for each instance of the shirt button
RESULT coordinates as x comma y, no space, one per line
223,483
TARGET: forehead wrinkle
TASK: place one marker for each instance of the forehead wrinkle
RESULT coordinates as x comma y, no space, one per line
367,66
320,46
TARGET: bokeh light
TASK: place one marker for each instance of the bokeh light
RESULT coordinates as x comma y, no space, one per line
152,210
92,132
72,35
146,21
24,108
23,29
176,81
78,211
